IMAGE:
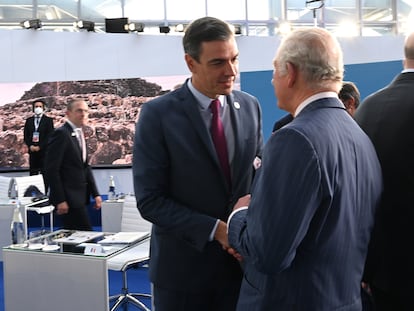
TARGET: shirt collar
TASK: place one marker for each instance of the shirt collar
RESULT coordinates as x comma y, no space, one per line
312,99
203,100
74,127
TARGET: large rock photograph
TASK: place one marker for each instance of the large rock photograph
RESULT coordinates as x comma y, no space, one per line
114,107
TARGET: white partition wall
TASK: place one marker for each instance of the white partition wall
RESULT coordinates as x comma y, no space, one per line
38,56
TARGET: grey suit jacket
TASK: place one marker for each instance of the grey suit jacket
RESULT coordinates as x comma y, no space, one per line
181,189
305,234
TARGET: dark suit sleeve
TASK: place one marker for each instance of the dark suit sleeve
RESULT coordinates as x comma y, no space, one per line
92,188
28,132
284,200
54,158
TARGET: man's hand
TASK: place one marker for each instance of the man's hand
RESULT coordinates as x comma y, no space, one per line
221,237
98,202
242,202
34,148
62,208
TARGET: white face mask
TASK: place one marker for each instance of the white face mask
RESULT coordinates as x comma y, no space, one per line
38,110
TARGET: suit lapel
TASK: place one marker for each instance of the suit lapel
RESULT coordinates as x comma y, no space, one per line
192,111
235,116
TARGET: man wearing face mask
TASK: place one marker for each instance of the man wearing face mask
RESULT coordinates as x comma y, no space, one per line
36,133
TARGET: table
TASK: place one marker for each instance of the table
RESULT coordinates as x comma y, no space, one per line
63,280
111,215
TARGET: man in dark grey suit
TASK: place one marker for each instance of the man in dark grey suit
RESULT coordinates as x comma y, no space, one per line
305,233
387,116
180,184
68,172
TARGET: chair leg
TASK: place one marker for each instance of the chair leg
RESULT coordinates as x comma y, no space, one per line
120,301
136,302
126,297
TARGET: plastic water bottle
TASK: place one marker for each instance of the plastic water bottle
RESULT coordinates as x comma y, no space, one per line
111,191
17,229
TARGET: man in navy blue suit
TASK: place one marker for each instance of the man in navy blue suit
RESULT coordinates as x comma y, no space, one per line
179,182
304,235
68,171
387,116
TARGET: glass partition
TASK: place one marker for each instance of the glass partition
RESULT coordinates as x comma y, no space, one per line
257,17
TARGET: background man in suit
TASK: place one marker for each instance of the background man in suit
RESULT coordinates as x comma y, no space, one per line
37,129
305,234
387,116
349,95
180,184
68,172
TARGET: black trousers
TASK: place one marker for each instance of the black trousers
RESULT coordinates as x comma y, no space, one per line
77,219
221,299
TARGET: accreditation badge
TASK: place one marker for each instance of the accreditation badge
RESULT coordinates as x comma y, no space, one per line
35,137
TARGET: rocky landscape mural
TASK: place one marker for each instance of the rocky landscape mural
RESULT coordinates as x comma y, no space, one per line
114,107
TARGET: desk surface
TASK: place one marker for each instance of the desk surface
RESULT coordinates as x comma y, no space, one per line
38,280
71,242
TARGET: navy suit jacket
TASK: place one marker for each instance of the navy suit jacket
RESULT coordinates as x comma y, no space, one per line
387,117
305,234
181,189
69,177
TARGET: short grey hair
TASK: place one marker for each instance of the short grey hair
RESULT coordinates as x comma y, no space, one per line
315,53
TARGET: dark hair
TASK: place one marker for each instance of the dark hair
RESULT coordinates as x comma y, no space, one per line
205,29
71,102
348,91
39,101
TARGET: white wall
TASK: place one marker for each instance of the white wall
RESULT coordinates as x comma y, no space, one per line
39,56
122,178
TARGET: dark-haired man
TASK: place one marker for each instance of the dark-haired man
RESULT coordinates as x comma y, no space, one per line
37,129
187,177
68,172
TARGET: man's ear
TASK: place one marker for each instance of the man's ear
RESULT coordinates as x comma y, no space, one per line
350,106
292,74
189,61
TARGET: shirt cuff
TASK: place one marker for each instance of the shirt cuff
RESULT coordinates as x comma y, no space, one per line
233,213
213,232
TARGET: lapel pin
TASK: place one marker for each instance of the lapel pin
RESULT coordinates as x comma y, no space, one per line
236,105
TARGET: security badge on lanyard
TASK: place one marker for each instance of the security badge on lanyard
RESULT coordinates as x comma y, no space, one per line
35,137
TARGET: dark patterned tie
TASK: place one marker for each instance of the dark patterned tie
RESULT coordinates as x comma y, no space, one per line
219,139
37,121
